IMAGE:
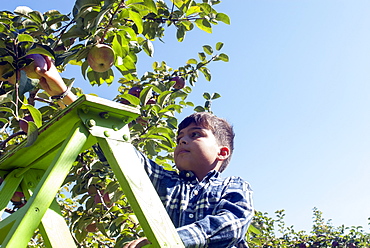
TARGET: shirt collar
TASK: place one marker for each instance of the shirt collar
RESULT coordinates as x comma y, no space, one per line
190,176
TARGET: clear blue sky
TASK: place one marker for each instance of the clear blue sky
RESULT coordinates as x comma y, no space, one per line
296,89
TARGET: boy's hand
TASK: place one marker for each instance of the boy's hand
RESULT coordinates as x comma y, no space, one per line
52,82
137,243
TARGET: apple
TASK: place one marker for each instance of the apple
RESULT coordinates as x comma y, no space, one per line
100,58
141,121
106,199
151,101
135,91
38,61
17,196
23,123
92,227
179,82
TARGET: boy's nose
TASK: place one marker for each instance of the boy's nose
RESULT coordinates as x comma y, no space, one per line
183,140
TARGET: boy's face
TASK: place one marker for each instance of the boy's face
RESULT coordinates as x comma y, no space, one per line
197,150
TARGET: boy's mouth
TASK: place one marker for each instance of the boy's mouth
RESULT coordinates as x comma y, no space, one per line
182,151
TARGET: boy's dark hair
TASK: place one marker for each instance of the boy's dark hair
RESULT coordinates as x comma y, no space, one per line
220,128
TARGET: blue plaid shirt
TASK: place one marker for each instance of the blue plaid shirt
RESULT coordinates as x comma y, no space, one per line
215,212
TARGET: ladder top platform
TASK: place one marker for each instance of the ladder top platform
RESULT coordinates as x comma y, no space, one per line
52,134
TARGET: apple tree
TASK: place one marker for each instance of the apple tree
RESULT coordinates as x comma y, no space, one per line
269,232
103,38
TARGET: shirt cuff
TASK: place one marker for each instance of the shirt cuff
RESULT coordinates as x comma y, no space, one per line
192,236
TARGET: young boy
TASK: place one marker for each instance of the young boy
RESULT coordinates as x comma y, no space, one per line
207,210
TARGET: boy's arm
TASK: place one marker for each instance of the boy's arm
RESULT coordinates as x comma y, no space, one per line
228,224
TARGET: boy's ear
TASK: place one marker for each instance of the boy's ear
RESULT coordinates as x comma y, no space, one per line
224,153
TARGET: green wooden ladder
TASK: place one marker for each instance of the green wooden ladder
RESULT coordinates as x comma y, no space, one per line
39,171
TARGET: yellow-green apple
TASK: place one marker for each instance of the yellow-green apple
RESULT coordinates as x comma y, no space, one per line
100,57
38,61
179,82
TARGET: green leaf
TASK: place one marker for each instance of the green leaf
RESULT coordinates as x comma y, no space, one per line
5,109
223,18
206,73
253,229
193,10
204,25
32,133
202,56
148,47
35,113
199,109
206,96
150,4
172,122
178,3
37,17
223,57
145,95
191,61
119,46
4,120
41,50
219,45
163,97
180,33
25,37
208,49
137,18
150,147
26,84
132,99
215,96
206,8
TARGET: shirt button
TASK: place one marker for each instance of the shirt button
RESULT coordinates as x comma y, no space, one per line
191,216
195,192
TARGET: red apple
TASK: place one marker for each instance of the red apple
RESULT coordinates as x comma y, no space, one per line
38,61
23,123
100,58
106,199
141,121
135,91
17,197
92,227
179,82
151,101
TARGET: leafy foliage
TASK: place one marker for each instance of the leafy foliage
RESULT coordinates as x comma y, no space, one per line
269,232
92,201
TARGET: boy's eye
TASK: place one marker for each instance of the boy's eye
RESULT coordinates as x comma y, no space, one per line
195,134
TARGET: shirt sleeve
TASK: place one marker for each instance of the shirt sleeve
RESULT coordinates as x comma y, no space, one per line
228,224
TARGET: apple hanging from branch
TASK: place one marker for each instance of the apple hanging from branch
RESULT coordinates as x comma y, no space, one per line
100,57
23,123
179,82
38,61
